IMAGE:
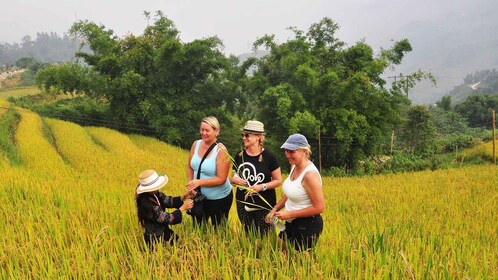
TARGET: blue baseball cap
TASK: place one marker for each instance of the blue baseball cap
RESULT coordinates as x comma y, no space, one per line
294,142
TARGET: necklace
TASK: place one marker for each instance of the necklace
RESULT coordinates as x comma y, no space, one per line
295,173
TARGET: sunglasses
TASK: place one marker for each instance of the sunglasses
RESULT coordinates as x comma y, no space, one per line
246,135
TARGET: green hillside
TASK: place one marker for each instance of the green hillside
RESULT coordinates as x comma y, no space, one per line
479,82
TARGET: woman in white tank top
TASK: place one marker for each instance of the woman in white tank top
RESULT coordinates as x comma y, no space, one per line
303,197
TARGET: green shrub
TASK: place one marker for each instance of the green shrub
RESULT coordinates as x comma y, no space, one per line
81,110
404,162
373,165
8,125
335,172
456,141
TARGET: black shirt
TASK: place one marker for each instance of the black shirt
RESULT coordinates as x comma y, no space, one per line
256,170
155,219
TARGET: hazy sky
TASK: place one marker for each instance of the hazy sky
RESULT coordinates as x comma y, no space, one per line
236,23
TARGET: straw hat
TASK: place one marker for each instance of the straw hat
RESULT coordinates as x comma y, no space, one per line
150,181
254,127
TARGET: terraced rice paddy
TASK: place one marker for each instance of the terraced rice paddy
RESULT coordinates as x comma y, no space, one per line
68,212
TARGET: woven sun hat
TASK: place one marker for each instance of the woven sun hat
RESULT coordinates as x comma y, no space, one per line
295,141
254,127
150,181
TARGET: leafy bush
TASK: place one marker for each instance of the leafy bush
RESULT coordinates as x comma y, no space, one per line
373,165
81,110
402,162
483,134
456,141
335,172
27,78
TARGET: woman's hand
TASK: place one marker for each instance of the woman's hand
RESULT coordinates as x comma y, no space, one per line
257,188
253,190
192,185
187,204
269,217
188,195
284,215
236,180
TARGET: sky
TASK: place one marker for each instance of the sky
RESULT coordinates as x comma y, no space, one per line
237,23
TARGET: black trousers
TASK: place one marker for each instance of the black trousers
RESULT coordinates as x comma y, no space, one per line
254,220
217,210
168,236
303,233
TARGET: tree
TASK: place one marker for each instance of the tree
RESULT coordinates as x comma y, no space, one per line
477,109
452,131
418,132
313,79
448,121
155,80
70,78
445,103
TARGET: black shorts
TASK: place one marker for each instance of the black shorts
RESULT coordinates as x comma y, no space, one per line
303,233
168,237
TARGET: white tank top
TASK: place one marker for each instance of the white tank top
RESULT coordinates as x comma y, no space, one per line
297,198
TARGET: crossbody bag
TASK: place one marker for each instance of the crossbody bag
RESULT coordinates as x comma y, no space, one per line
199,197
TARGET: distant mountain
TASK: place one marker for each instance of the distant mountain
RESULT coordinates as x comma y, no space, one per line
46,47
451,45
485,82
258,54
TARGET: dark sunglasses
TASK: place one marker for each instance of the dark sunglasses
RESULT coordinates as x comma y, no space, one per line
246,135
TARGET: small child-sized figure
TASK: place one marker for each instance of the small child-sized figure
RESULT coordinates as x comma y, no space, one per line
151,205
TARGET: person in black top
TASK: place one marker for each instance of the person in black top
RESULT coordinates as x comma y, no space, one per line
257,169
151,205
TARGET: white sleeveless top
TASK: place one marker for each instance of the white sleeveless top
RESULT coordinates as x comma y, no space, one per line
297,198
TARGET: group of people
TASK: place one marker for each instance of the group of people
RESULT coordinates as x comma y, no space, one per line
256,175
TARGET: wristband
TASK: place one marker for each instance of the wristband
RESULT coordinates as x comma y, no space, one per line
265,187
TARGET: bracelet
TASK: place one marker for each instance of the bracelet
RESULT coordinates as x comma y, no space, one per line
265,187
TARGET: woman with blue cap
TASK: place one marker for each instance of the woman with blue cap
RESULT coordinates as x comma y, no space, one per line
303,198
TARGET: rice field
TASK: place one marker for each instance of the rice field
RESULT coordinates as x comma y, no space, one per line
481,152
18,92
68,212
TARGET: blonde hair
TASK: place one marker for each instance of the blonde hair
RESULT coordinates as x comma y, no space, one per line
307,151
261,140
212,122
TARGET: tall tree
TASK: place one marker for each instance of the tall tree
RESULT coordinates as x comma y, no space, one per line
418,133
155,79
340,89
